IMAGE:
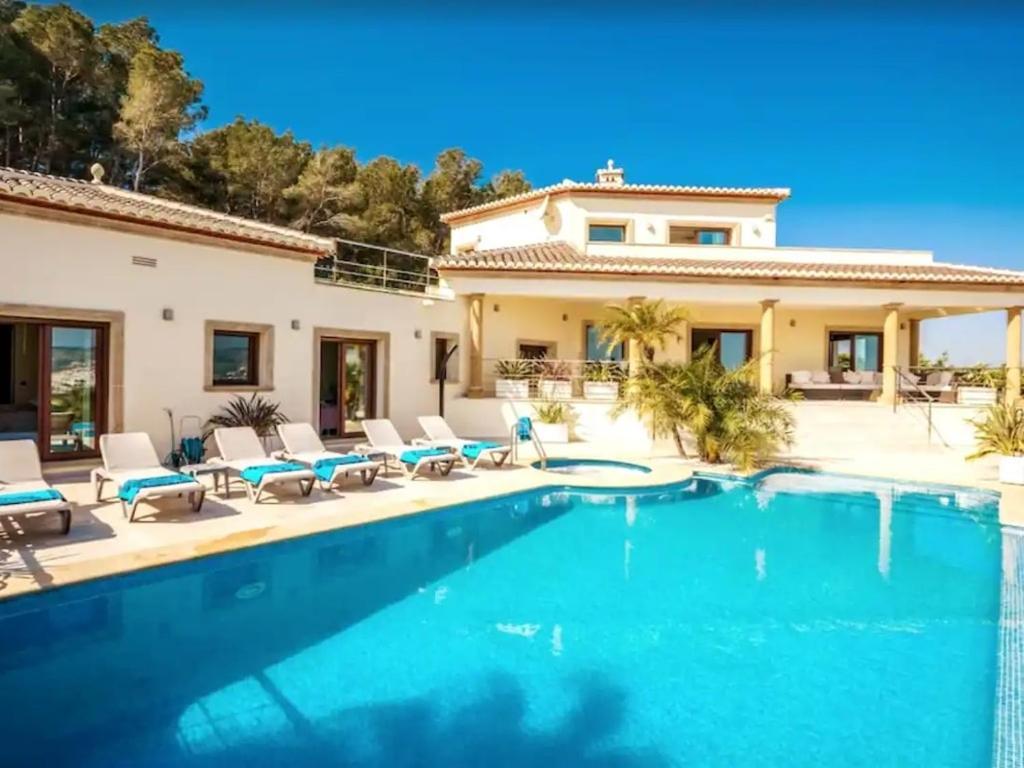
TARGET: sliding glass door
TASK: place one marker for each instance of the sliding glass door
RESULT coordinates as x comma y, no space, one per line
851,351
347,385
735,347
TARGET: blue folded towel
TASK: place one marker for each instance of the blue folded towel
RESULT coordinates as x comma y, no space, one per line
254,475
472,451
324,468
29,497
412,457
524,427
130,488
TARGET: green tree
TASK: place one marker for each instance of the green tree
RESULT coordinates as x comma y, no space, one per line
392,212
326,196
649,324
508,183
159,104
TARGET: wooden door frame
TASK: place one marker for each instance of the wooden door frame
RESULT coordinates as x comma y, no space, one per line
371,381
381,376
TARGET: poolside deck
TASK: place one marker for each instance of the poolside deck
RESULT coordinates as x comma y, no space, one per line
33,556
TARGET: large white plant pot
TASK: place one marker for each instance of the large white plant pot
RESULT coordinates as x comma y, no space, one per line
975,395
551,433
600,390
514,389
1011,470
555,389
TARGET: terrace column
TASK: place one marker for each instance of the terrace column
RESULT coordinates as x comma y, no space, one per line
1013,329
915,343
476,345
767,356
890,353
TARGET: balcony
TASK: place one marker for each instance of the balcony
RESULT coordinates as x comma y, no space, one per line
376,268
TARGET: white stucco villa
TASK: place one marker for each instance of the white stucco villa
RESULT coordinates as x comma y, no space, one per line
116,306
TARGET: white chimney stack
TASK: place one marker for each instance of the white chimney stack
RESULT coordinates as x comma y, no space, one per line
611,176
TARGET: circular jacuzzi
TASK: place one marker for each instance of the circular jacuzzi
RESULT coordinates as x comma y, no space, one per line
591,467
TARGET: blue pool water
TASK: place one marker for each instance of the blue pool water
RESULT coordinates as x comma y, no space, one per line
597,467
795,620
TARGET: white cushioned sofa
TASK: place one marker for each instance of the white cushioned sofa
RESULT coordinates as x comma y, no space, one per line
822,385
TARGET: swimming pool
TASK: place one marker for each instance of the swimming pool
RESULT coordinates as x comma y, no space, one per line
596,467
793,620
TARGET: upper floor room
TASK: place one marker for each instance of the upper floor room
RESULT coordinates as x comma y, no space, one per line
609,213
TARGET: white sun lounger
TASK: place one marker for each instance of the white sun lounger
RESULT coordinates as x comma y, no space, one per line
130,457
441,435
384,438
241,450
303,445
22,475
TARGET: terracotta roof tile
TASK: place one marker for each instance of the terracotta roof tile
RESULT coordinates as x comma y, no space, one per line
564,258
776,194
100,199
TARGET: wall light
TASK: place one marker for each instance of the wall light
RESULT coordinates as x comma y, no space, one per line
168,313
417,334
792,322
497,308
565,318
296,325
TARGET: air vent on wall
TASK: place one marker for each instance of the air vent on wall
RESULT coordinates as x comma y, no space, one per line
143,261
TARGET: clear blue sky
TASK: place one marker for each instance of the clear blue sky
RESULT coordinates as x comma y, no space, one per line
895,129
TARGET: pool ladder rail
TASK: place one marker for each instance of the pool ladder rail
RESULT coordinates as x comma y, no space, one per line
525,426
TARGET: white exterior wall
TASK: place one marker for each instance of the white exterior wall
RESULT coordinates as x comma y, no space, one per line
55,264
565,218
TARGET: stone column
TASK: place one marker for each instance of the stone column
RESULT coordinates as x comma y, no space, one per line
1013,330
915,343
476,345
635,354
767,347
890,353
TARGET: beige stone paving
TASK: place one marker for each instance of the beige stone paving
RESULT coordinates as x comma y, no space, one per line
33,556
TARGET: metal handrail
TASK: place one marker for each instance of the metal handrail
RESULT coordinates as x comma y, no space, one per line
901,377
364,265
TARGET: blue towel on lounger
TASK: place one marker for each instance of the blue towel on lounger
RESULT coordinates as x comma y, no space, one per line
524,427
29,497
472,451
324,468
254,475
130,488
412,457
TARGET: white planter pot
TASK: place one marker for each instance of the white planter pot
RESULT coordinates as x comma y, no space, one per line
555,389
1011,470
975,395
513,389
551,433
600,390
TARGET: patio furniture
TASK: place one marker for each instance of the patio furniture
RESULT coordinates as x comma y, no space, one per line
470,452
131,463
218,472
242,452
821,385
22,488
411,458
303,445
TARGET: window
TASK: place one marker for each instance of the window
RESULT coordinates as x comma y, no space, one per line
238,357
607,233
442,344
235,358
855,351
596,350
535,350
678,235
734,347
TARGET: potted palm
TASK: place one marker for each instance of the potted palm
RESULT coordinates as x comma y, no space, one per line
601,380
513,379
1000,432
555,380
979,385
552,424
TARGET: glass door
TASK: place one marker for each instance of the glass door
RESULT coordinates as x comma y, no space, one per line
347,385
72,383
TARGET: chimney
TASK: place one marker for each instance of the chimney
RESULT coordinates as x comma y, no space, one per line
611,176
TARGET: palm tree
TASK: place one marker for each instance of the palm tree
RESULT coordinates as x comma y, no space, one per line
649,324
1000,431
729,418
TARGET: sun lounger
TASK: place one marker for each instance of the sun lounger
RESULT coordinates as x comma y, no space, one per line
471,452
22,488
242,452
131,463
384,438
303,445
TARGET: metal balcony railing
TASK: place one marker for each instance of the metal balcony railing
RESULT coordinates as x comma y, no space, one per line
361,265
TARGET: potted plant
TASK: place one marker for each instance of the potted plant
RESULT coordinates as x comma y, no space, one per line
513,379
555,380
1000,432
256,411
552,424
979,385
601,380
